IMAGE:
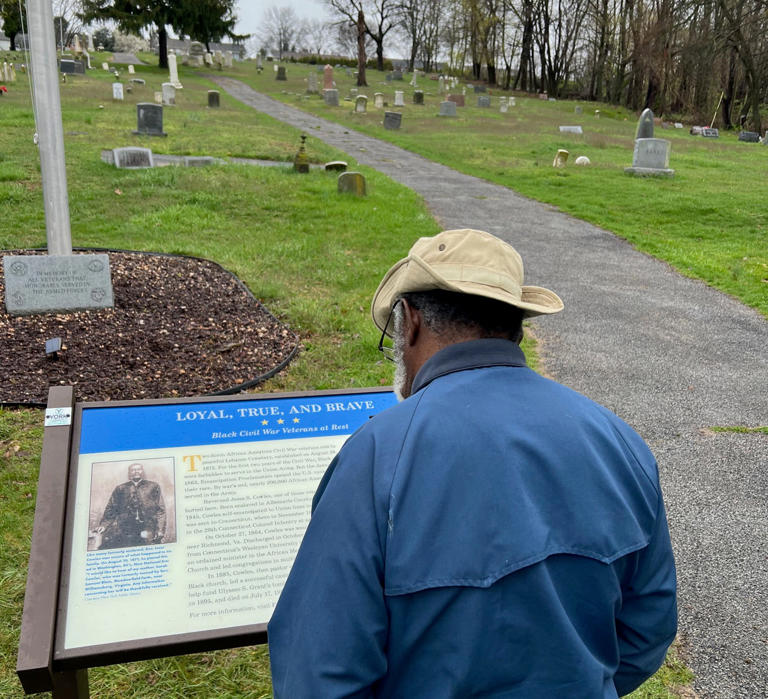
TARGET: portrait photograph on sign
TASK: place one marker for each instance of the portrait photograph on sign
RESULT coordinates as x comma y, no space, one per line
132,504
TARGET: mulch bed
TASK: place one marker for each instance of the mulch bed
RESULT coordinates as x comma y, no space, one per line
181,326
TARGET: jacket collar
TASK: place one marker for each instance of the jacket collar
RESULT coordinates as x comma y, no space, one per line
474,354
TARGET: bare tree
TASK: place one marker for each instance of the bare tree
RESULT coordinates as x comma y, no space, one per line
380,19
281,30
317,36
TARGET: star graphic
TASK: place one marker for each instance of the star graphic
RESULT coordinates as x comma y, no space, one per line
265,422
280,421
296,419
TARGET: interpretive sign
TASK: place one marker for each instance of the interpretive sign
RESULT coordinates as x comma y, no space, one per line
183,518
49,283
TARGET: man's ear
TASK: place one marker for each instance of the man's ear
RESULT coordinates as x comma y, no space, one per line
411,323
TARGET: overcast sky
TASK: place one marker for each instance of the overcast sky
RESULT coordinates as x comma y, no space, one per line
250,12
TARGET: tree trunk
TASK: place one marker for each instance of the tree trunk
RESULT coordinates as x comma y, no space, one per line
361,50
491,74
162,46
730,83
12,39
379,53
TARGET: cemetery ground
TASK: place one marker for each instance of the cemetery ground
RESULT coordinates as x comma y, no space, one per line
312,256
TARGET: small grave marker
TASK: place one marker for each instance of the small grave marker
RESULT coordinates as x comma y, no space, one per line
198,160
361,104
335,166
149,119
131,69
710,133
213,99
561,157
651,158
331,97
458,100
280,73
749,137
132,158
378,100
351,183
447,109
392,120
117,91
67,66
572,129
169,94
418,97
645,125
399,102
484,101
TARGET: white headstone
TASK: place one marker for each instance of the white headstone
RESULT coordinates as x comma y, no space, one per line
131,69
91,47
361,103
399,101
378,100
208,58
105,66
571,129
560,158
583,160
651,157
173,72
117,91
227,59
511,101
169,94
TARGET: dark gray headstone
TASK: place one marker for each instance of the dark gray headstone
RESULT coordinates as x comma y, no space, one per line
331,97
48,283
67,65
480,88
397,75
213,98
645,125
149,119
483,101
280,73
418,97
749,137
132,158
710,133
447,109
139,81
388,76
79,68
351,183
392,120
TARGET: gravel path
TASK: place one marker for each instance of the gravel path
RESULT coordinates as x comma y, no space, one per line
668,354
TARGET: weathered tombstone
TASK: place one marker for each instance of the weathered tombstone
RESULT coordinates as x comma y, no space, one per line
458,100
440,85
312,83
378,100
572,129
132,158
361,104
512,101
392,120
49,283
651,158
710,133
583,160
208,58
335,166
679,125
66,65
105,66
577,110
198,160
280,73
696,130
117,91
351,183
213,99
561,157
543,96
169,94
388,77
149,119
645,125
227,59
418,97
331,97
597,113
399,101
484,101
353,92
480,88
196,48
397,75
173,71
139,81
749,137
259,63
328,77
447,109
131,69
79,67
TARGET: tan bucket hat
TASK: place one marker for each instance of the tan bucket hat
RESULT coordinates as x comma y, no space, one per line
466,261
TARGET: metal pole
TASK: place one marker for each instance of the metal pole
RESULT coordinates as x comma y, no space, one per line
45,82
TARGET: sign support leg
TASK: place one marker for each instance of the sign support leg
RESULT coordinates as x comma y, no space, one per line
71,685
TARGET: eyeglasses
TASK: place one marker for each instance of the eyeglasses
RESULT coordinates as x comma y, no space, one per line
386,336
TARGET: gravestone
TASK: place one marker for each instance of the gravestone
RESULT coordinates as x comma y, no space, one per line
561,157
132,158
149,119
312,83
131,69
480,88
353,92
139,81
328,78
583,160
66,65
392,120
105,66
169,94
228,59
351,183
196,49
543,96
335,166
331,97
511,101
158,97
378,100
458,100
651,158
213,99
198,160
679,125
577,110
280,73
447,109
208,58
710,133
571,129
79,68
399,101
50,283
418,97
361,104
173,71
117,91
645,125
440,85
388,77
397,75
696,130
749,137
484,101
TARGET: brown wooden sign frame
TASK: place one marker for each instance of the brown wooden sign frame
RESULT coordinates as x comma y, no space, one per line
44,662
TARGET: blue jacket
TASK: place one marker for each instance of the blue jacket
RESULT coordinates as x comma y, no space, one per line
496,534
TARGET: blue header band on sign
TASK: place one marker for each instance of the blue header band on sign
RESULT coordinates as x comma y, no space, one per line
139,427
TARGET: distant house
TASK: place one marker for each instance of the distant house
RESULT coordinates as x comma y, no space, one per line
182,46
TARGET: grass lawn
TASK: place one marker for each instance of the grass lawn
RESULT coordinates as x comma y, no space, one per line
313,256
709,221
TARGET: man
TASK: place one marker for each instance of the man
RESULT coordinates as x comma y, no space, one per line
494,534
135,513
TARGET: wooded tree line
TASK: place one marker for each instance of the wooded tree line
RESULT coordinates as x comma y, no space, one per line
674,56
